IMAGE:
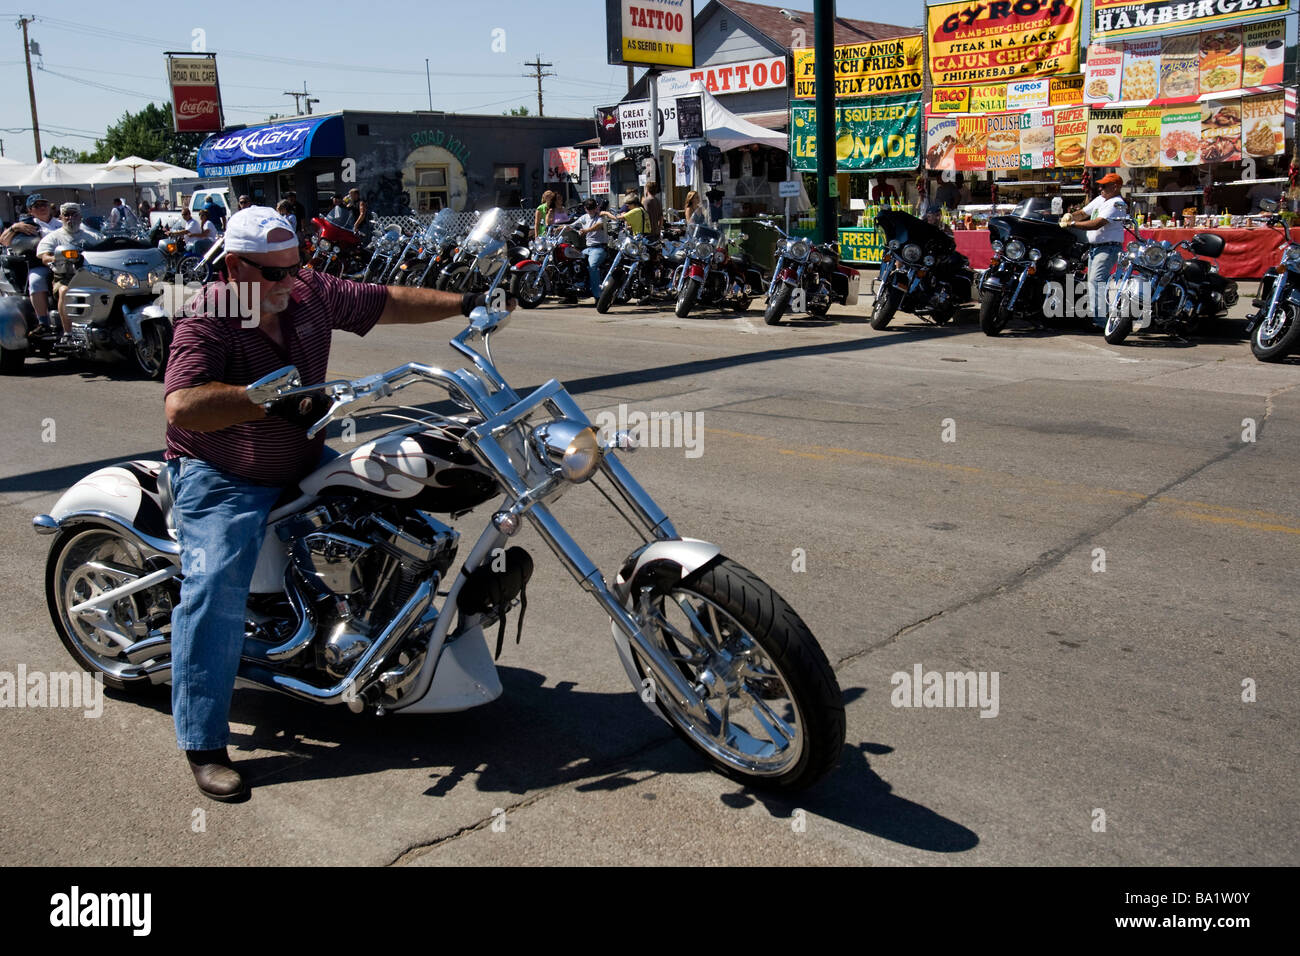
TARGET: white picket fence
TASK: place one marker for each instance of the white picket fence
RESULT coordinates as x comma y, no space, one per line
464,221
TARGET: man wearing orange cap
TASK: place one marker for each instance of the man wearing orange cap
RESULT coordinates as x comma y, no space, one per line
1104,219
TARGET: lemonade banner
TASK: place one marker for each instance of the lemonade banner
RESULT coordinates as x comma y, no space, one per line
1186,68
979,42
881,133
864,69
1116,18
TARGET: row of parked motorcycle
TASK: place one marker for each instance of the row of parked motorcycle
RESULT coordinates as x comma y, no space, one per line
695,265
1038,274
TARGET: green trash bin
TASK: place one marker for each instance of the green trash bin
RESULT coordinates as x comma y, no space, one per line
760,245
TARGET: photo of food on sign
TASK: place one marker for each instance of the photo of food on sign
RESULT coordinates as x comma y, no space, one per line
1180,65
1221,61
1220,131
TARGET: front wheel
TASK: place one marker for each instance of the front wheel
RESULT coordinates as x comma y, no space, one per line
886,304
1277,335
527,289
1118,326
686,300
993,318
772,711
777,304
608,292
151,350
194,269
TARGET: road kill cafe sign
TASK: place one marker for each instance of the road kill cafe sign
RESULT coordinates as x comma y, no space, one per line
1004,40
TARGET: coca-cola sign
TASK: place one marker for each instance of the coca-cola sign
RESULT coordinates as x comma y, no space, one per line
196,97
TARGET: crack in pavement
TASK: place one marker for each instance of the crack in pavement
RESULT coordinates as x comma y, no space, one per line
1051,558
606,769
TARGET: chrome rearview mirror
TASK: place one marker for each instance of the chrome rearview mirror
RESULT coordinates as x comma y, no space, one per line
268,387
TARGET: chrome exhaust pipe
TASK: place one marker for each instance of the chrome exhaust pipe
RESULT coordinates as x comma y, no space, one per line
306,622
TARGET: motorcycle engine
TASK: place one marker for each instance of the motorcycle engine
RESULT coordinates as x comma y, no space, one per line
358,566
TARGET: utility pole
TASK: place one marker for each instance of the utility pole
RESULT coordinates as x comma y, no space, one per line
297,105
428,82
537,68
31,86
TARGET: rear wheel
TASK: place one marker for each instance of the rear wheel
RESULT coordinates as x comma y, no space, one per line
992,317
1274,338
886,304
84,563
777,304
687,297
772,713
194,269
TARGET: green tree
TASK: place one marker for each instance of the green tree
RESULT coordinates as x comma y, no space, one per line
147,134
62,154
517,111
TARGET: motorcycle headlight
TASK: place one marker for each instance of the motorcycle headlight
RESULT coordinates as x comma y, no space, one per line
702,249
1014,250
573,448
1291,255
324,245
1057,264
1153,256
156,276
1174,261
126,281
912,252
929,260
799,249
893,245
996,246
644,253
1034,255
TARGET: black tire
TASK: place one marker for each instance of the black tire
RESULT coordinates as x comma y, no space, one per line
69,578
608,293
741,305
453,279
687,297
153,349
1118,326
885,306
993,319
527,293
1280,341
11,361
194,270
781,662
776,306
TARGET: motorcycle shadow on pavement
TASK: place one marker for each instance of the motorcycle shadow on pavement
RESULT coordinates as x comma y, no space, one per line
538,737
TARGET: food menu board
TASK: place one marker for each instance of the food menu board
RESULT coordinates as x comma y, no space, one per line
1180,136
1072,135
1147,137
988,98
999,97
1141,140
864,69
1105,137
973,43
1181,68
1028,94
1115,18
1263,124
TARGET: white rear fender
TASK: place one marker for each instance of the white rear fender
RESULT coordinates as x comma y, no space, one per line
125,494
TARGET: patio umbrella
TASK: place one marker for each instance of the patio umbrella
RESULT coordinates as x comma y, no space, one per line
133,163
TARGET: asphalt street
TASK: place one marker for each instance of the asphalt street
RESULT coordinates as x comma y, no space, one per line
1111,531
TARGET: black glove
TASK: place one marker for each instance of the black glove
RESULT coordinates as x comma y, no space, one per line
471,301
303,410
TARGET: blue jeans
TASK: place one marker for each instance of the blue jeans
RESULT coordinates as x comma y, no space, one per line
595,257
220,524
1101,263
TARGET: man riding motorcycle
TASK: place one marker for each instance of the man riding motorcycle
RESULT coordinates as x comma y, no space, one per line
72,234
39,221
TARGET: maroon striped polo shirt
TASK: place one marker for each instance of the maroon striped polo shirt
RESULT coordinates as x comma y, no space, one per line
209,348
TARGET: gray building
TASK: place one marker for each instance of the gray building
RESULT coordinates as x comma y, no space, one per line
420,160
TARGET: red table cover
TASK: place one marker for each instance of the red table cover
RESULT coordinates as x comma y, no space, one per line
1248,253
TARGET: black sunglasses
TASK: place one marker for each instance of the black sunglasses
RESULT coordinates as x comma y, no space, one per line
273,273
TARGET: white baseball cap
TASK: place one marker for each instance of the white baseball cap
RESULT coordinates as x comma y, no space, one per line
254,230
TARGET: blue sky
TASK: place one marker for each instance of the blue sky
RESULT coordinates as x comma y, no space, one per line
367,55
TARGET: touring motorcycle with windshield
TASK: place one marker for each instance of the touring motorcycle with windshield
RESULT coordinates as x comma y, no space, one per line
921,271
486,255
1038,268
813,268
555,265
116,311
1274,328
344,605
1157,289
712,276
436,248
639,271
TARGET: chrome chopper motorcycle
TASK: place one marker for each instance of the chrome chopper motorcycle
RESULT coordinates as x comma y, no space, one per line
555,265
711,276
635,273
1035,265
921,271
111,299
811,267
487,254
1159,290
344,602
1274,328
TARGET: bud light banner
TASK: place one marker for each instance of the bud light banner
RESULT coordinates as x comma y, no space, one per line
196,96
268,149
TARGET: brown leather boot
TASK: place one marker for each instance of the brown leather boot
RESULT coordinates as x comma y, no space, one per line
215,776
